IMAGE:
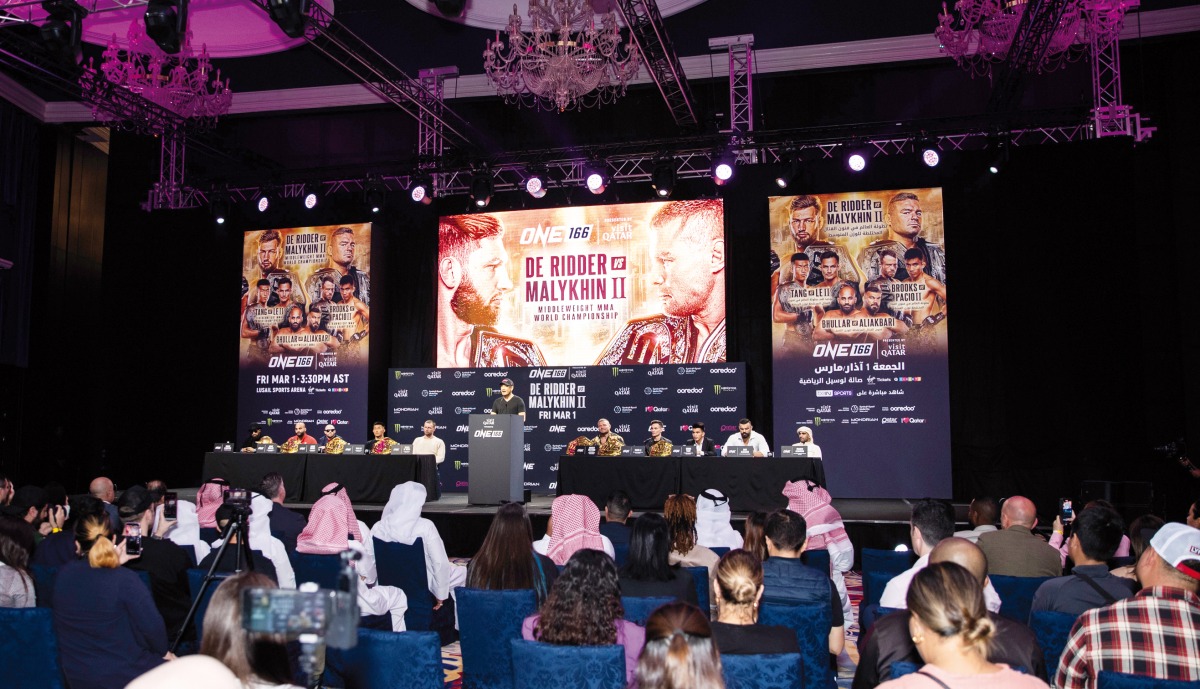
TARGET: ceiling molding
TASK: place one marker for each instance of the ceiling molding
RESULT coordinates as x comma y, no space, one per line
768,61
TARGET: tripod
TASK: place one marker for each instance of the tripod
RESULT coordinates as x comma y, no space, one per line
235,530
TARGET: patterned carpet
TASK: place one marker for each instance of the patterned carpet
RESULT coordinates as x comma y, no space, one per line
452,654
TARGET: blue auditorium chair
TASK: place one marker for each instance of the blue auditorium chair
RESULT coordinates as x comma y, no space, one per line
29,649
1120,680
43,584
700,579
403,566
1052,630
720,550
879,567
638,608
195,581
868,614
620,553
1016,595
487,622
763,671
817,559
324,570
545,666
387,660
811,623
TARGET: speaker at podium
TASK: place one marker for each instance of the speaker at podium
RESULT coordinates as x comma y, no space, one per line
496,456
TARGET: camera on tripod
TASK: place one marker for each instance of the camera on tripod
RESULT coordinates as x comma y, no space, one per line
328,614
238,499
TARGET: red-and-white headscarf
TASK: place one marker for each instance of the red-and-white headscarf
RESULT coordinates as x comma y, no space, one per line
576,525
208,499
331,522
813,502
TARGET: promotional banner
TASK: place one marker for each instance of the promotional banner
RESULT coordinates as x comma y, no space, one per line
858,310
305,326
640,283
563,404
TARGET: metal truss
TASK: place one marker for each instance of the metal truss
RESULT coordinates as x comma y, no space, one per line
1030,43
741,84
430,132
647,30
18,11
1110,116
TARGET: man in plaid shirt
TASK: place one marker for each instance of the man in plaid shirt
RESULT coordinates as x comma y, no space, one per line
1156,633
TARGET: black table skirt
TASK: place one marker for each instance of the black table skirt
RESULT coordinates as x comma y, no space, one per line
752,483
367,478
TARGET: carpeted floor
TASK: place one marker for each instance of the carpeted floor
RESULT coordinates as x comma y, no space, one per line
452,654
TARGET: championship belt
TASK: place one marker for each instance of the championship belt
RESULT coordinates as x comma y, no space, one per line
494,350
290,445
662,340
581,441
660,448
611,447
335,446
265,440
383,447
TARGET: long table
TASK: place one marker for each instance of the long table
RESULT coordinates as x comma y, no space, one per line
751,483
367,478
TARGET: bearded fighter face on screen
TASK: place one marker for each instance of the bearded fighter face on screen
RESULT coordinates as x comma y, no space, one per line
473,280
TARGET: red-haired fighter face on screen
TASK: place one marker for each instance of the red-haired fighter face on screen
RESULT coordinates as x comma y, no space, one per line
473,280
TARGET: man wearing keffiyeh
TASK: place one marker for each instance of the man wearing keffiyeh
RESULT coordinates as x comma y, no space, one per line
825,532
574,525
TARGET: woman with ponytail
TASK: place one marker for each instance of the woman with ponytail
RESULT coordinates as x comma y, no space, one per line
737,589
679,651
109,631
950,627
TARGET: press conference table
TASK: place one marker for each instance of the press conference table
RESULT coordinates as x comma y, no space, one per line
367,478
751,483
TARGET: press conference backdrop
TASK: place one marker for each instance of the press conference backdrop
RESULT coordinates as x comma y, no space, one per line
564,403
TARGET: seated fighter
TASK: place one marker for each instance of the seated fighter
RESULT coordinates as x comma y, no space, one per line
656,445
334,444
380,444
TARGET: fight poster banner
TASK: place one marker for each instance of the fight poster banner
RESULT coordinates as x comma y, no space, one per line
640,283
304,330
858,309
563,404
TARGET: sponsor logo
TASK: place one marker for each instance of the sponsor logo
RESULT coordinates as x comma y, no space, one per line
834,351
458,374
911,420
824,393
400,393
899,408
719,389
544,373
554,467
555,234
654,391
531,484
435,411
909,379
586,429
397,427
430,393
527,447
689,391
401,410
728,428
888,419
578,373
558,429
687,370
434,375
620,370
656,371
623,410
463,393
691,409
658,409
483,433
552,485
462,428
722,370
465,374
623,428
464,410
459,464
460,484
724,410
290,362
555,448
622,392
529,465
685,427
495,374
843,393
458,446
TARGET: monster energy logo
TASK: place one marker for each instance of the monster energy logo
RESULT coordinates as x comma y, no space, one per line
457,465
397,426
489,392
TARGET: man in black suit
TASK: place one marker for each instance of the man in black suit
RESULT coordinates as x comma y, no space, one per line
706,446
285,523
165,562
616,514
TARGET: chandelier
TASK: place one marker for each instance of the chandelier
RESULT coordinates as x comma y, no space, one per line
565,62
185,84
979,33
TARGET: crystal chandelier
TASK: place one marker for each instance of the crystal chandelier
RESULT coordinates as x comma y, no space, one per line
979,33
185,84
565,62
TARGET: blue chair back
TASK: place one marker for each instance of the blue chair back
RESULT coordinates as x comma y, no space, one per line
487,622
874,584
901,668
638,608
195,581
763,671
43,584
1016,595
620,553
322,569
29,649
387,660
720,550
1052,630
1120,680
817,559
867,615
546,666
878,568
811,622
700,579
403,566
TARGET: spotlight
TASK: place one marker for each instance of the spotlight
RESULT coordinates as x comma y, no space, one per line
999,160
422,190
927,150
789,171
535,184
722,168
374,194
311,200
219,208
482,188
663,178
596,177
290,15
856,159
63,30
265,197
166,23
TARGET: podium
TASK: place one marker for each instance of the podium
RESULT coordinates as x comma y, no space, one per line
496,456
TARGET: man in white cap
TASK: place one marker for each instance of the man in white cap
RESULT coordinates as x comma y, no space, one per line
1155,633
804,433
713,529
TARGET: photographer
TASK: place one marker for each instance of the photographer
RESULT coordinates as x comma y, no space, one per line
259,662
165,562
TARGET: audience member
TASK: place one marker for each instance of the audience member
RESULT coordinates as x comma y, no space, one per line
574,525
31,505
679,651
190,672
1155,632
825,532
1095,534
108,628
1193,515
284,521
931,521
647,571
680,512
210,497
616,517
166,563
584,609
273,548
6,491
1059,543
232,559
737,592
1014,550
788,580
890,641
506,560
1141,530
186,530
102,489
59,548
16,581
334,528
952,631
713,527
981,515
15,526
402,523
259,661
753,540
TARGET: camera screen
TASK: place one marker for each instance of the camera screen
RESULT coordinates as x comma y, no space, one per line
276,611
